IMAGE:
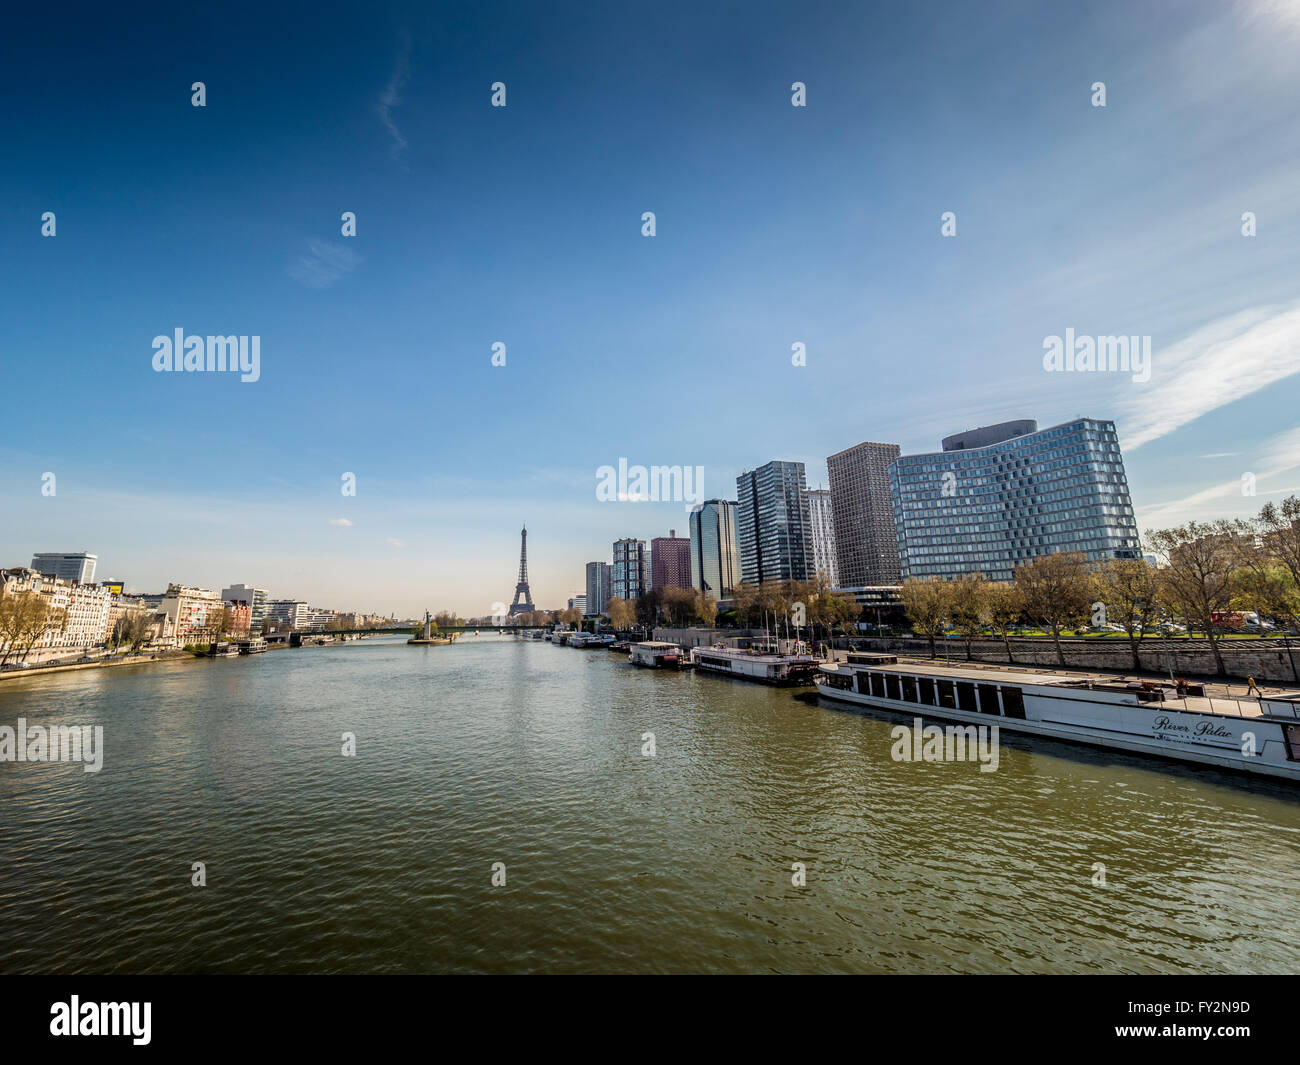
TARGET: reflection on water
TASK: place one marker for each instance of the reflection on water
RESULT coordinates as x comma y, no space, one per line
530,755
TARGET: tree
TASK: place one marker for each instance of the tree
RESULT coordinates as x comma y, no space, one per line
1278,526
841,609
680,605
773,601
25,617
621,614
706,609
1198,580
1057,591
745,596
1129,592
968,607
1004,605
647,607
928,605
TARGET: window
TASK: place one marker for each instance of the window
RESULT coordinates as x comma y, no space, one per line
966,696
891,686
1292,733
946,694
877,685
909,689
989,699
927,690
1013,703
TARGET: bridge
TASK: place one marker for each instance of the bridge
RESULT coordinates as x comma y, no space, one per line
398,630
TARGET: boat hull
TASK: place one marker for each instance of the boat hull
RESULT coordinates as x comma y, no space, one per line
1164,733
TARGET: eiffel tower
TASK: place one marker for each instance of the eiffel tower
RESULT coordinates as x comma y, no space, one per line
521,589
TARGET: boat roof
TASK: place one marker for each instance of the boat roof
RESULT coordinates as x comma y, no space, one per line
655,644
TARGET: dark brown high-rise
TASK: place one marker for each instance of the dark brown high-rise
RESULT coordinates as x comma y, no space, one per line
865,539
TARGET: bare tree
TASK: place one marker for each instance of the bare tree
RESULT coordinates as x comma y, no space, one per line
706,609
928,604
1198,580
968,606
1129,590
1004,606
621,613
1057,590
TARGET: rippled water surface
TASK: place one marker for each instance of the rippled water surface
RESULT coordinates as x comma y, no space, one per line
530,755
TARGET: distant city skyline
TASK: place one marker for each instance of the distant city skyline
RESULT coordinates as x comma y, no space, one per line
476,225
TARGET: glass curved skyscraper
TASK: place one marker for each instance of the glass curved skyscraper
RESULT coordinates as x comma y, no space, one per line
998,496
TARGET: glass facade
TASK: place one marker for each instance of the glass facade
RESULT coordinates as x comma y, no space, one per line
714,559
773,530
991,508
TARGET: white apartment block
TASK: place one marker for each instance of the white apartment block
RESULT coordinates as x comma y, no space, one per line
190,612
824,555
82,611
290,613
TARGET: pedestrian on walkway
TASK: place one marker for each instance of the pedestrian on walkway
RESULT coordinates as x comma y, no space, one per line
1251,686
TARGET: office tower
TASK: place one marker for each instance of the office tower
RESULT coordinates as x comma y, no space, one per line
599,587
822,525
866,546
715,559
629,575
772,525
670,561
1000,495
75,567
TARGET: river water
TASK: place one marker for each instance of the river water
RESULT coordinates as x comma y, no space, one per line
500,751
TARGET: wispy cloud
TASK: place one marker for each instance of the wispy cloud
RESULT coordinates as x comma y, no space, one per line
392,542
323,263
341,522
392,95
1227,499
1218,364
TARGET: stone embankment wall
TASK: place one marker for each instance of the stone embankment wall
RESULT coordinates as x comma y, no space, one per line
1263,659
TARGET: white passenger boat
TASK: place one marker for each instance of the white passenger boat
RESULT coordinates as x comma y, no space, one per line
1256,735
654,654
766,667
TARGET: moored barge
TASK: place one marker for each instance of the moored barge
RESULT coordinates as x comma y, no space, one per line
654,654
765,667
1259,736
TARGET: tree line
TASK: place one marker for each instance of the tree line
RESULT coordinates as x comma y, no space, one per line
1206,569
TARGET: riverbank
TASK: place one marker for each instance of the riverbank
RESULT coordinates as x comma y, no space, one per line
151,658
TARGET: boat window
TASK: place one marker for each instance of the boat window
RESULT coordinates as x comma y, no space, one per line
878,685
1292,733
891,686
989,699
927,690
945,694
1013,702
909,689
966,696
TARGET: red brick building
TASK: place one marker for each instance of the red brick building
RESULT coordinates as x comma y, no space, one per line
670,561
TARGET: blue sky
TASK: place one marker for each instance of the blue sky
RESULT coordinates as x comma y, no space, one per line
522,225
